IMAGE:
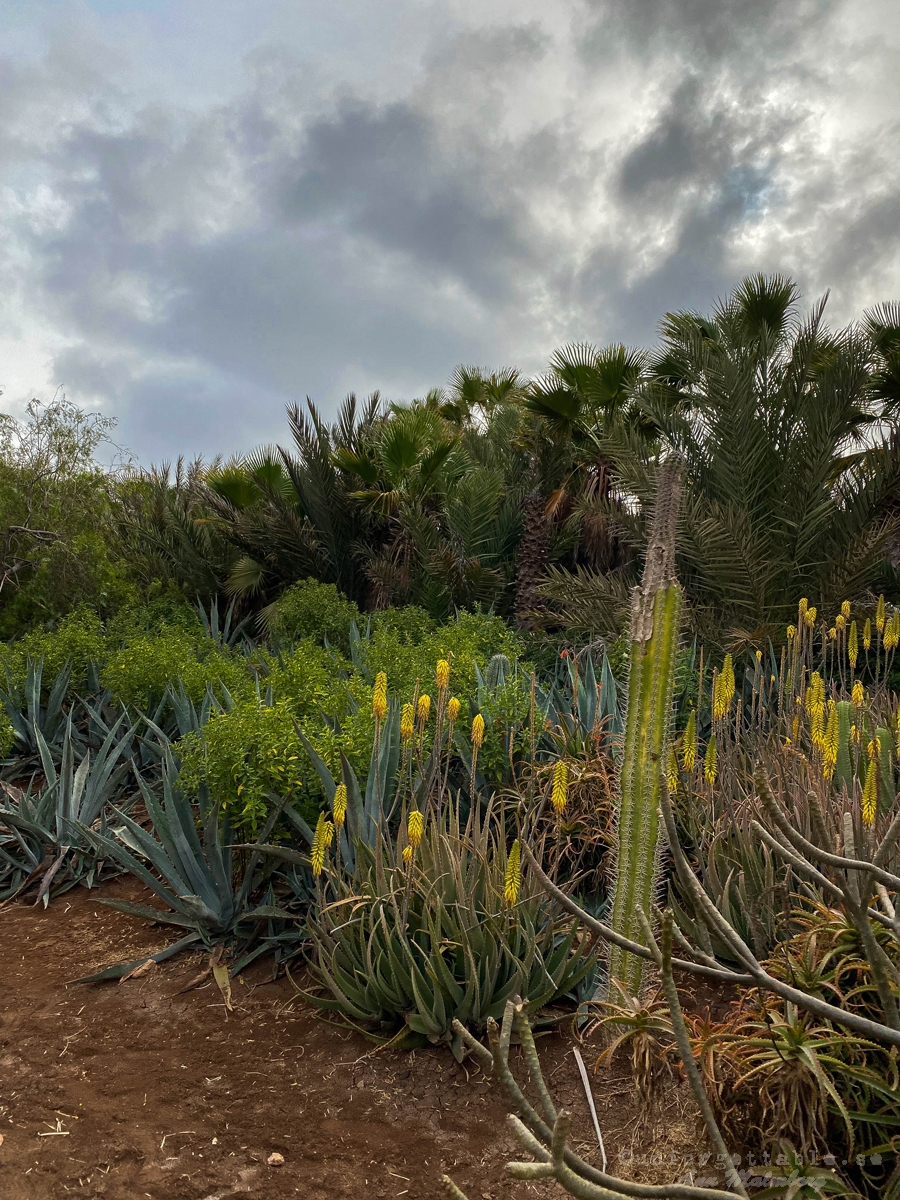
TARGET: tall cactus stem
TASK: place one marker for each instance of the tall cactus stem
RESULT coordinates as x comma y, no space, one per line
655,617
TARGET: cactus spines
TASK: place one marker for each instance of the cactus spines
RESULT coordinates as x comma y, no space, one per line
656,609
843,774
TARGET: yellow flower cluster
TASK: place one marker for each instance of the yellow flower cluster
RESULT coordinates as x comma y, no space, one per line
559,794
379,697
442,674
513,881
870,795
478,731
689,746
340,804
415,827
724,689
453,709
322,839
407,722
710,764
830,742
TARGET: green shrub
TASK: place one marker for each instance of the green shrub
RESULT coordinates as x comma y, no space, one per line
7,735
78,640
253,750
406,644
314,610
139,671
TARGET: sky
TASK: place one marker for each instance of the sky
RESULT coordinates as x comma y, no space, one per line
210,209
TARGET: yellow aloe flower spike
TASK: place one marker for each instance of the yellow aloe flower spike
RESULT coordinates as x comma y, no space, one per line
415,827
321,841
672,772
478,731
710,765
802,607
791,632
424,708
379,697
340,804
559,794
513,879
830,746
407,854
858,695
689,746
452,709
867,634
879,615
442,674
853,645
870,795
845,609
407,725
810,617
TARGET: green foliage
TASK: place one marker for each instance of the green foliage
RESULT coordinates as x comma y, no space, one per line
58,543
314,610
79,641
414,948
406,643
251,752
140,670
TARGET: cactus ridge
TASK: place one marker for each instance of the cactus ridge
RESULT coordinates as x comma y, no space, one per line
646,742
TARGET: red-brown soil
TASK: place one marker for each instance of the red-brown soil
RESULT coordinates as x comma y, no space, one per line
133,1090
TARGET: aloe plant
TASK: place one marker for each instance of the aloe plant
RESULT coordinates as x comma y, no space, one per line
656,609
406,949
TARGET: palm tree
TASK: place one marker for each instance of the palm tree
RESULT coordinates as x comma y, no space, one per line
790,453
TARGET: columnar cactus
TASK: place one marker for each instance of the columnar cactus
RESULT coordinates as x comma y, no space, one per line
655,613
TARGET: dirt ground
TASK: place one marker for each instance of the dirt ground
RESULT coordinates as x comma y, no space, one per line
133,1090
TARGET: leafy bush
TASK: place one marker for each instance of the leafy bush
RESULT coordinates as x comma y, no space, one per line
79,641
252,751
317,611
140,670
406,643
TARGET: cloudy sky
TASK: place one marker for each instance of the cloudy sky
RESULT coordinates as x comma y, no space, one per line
209,208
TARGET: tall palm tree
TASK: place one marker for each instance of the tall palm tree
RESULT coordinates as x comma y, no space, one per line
792,471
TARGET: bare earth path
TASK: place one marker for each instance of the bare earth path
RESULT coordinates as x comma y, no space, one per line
131,1090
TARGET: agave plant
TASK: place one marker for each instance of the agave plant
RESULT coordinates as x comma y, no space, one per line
50,829
192,872
30,714
448,931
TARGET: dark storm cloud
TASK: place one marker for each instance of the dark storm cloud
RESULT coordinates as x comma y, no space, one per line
526,185
379,173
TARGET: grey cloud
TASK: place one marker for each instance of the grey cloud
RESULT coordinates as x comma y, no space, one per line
214,263
379,173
